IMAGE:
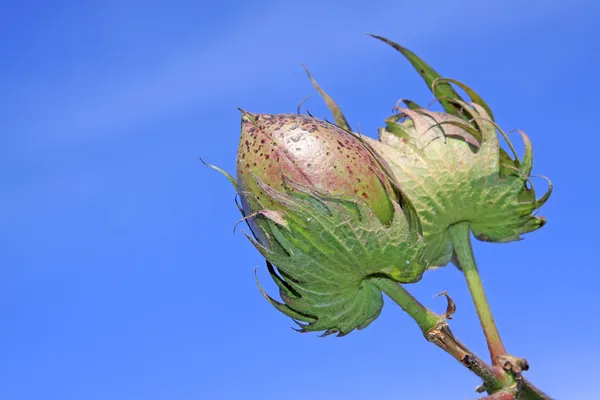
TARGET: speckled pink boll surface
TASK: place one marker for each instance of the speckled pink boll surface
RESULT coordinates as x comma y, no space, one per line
310,152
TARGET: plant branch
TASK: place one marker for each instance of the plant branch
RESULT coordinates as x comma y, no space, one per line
461,238
436,330
494,378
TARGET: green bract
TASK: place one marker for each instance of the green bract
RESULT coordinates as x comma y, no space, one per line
327,217
326,251
452,168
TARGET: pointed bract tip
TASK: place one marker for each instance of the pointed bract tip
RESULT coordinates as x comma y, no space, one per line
204,162
389,42
307,71
246,114
222,171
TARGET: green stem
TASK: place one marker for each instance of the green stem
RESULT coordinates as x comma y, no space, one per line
461,238
436,330
424,317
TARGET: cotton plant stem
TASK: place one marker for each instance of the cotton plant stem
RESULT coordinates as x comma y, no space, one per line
461,237
494,378
436,330
424,317
500,396
530,392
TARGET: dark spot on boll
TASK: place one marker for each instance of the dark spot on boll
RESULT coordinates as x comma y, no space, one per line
365,195
358,179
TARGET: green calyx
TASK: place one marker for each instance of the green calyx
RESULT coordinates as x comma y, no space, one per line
453,172
328,252
451,166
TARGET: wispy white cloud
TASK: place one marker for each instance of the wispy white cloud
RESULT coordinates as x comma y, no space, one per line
225,64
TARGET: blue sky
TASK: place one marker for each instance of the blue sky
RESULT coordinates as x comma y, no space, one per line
119,275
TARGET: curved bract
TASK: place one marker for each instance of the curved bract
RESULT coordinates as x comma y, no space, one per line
451,166
455,171
326,249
